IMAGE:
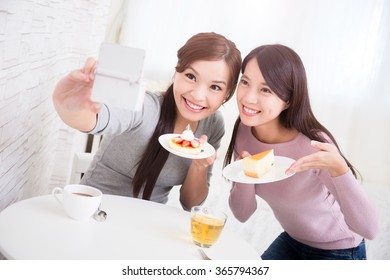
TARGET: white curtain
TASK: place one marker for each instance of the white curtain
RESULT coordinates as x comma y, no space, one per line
344,44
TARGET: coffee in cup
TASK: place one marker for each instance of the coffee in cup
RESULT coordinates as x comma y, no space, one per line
80,201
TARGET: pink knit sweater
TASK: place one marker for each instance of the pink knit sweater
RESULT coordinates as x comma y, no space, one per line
312,207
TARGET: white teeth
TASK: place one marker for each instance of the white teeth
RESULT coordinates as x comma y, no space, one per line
250,111
194,106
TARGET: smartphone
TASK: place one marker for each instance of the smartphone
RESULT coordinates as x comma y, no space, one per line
118,77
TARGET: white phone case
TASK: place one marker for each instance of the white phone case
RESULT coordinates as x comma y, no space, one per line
118,77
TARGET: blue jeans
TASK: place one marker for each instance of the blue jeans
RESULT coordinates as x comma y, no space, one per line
285,247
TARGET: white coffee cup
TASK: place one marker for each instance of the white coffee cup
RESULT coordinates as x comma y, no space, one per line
80,201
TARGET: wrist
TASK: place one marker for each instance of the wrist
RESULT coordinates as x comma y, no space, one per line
341,170
199,167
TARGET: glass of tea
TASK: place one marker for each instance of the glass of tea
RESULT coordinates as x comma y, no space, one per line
206,225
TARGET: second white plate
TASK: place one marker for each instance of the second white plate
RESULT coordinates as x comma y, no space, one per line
208,150
235,172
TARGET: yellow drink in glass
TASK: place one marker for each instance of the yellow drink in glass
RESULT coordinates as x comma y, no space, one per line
206,225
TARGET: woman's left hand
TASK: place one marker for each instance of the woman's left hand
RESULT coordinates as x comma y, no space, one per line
195,188
327,157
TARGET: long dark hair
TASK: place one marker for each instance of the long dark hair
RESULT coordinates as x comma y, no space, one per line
285,74
203,46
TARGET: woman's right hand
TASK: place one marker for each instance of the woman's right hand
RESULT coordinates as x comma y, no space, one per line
73,92
72,98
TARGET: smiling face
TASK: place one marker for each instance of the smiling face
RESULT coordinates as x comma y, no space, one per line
200,89
258,105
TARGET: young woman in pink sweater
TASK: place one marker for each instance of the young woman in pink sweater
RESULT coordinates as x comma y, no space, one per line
323,209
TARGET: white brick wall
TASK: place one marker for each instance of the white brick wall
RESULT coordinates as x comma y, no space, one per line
40,41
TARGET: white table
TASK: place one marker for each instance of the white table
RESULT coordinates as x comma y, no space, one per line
38,228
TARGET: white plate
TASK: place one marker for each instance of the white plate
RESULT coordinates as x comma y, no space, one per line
235,172
208,150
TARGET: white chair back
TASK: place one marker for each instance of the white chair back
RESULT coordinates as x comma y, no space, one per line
81,161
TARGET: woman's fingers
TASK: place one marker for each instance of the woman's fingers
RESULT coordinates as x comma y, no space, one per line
89,68
203,139
327,157
312,161
323,146
243,154
205,162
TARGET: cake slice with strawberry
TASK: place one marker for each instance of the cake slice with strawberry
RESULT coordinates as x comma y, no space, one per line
186,143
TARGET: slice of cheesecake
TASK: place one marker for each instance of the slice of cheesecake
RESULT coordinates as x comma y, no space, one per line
259,164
